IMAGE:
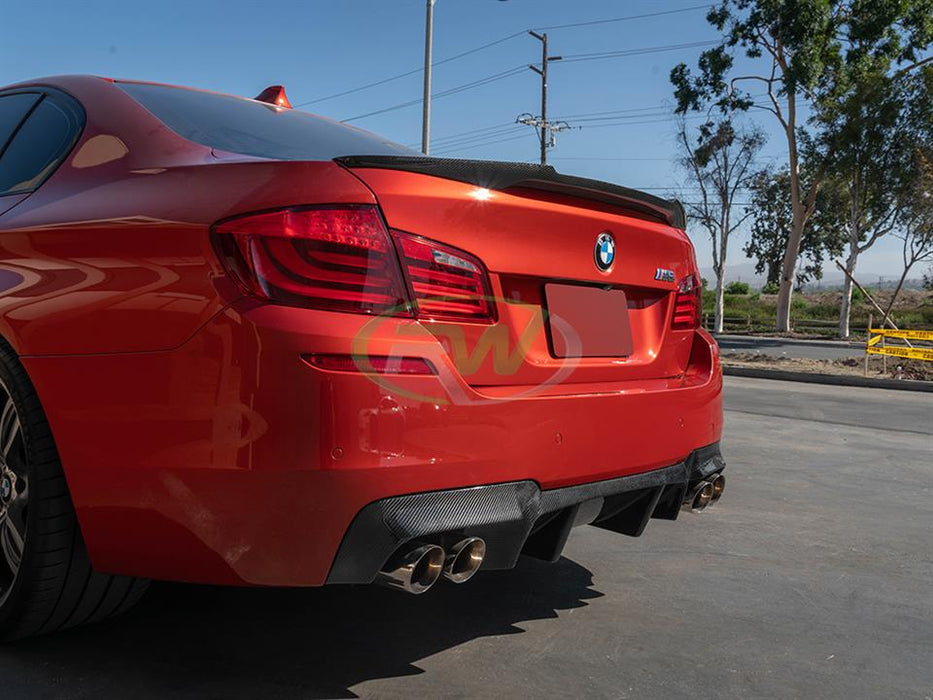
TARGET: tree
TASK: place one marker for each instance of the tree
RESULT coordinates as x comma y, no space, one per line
804,53
870,130
718,163
916,232
770,229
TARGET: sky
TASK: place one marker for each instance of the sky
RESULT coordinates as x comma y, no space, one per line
620,107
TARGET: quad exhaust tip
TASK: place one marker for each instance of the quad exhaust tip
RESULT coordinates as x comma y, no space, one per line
705,493
464,559
414,571
719,485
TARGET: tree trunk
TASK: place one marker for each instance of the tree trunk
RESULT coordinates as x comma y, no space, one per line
798,209
789,270
845,309
720,295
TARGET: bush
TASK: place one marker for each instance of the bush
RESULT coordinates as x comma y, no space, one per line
737,288
771,288
858,297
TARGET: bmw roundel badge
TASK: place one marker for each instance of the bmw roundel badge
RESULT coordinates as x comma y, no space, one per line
605,252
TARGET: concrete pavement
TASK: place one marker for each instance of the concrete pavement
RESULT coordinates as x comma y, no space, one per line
811,578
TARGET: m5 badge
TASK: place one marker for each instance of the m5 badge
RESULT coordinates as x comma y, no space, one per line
662,275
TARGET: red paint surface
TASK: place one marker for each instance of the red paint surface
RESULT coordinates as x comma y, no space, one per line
198,444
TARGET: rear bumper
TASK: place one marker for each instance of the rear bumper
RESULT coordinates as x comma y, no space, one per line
231,460
518,517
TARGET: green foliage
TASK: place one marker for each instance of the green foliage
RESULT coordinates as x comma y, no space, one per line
737,288
771,225
770,288
817,47
757,312
857,296
845,63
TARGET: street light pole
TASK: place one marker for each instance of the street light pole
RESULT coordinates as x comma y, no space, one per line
426,102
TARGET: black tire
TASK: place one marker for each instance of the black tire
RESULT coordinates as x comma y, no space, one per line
53,587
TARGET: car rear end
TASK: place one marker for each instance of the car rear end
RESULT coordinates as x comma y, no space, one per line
419,365
494,375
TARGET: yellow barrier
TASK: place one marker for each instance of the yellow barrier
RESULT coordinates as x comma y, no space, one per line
903,334
876,346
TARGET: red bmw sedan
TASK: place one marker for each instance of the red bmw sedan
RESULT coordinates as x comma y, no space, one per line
241,344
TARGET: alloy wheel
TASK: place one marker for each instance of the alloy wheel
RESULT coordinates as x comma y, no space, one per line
14,493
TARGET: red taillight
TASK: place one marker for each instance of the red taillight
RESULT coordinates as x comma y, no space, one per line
378,364
687,305
337,258
445,283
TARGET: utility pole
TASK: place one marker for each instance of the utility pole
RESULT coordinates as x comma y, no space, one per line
426,102
546,129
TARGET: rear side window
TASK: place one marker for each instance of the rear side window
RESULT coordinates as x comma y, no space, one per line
40,144
13,108
255,128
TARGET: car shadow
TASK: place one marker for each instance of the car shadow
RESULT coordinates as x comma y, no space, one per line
198,641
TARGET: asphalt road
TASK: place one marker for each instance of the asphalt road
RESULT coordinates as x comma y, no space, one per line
813,577
780,347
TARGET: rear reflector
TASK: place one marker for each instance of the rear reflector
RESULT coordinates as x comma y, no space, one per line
336,258
370,364
687,305
445,283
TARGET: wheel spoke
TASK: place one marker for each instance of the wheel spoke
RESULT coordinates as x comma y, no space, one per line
7,416
11,542
8,437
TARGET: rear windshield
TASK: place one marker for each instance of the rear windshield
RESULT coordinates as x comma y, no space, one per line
254,128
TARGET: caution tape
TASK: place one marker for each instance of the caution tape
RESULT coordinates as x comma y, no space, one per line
903,334
899,351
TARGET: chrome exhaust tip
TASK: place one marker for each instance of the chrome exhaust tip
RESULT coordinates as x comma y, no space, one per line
415,571
719,485
701,497
464,559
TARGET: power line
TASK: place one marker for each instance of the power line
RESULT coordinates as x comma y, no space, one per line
490,143
624,19
598,56
488,45
608,159
444,93
419,69
515,71
455,137
479,138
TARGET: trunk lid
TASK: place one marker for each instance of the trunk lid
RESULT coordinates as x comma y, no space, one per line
536,232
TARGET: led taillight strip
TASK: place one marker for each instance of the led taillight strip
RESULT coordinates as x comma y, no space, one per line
337,258
687,305
342,258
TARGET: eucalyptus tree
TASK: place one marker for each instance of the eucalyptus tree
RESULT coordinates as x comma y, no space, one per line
718,160
770,207
801,53
916,214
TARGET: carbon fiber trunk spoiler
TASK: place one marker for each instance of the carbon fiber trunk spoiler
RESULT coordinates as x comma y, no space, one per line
498,175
